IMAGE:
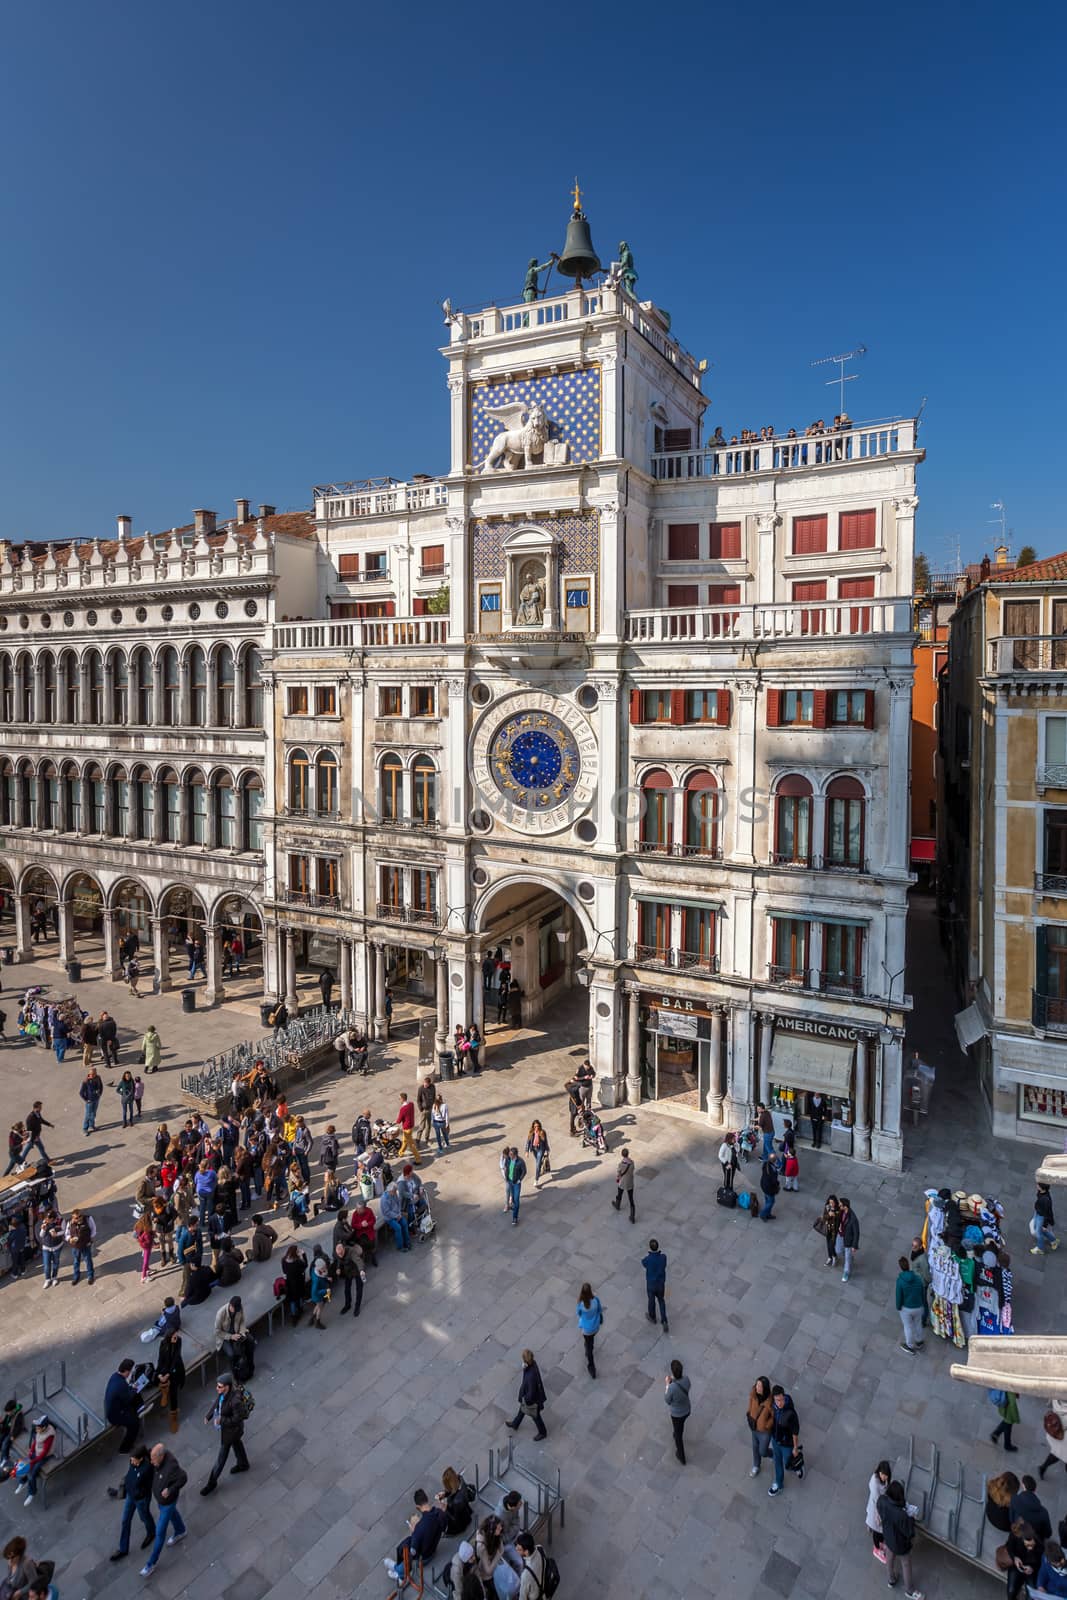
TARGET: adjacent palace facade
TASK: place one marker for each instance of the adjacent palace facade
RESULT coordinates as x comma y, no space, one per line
630,708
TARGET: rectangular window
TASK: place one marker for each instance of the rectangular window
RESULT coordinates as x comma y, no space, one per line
1059,627
790,959
702,705
300,874
254,802
1056,844
698,936
489,609
326,875
348,566
392,888
576,609
75,822
683,594
432,561
389,701
296,702
326,700
656,705
842,955
675,438
97,806
683,541
724,594
857,530
227,798
424,891
847,708
1056,748
653,930
809,535
844,832
423,700
374,562
813,621
724,541
1021,623
796,708
859,617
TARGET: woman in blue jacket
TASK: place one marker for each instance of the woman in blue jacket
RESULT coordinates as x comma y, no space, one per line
590,1317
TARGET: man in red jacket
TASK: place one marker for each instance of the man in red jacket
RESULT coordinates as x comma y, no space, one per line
364,1230
405,1118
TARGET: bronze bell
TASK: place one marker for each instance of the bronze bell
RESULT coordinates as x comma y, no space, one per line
579,260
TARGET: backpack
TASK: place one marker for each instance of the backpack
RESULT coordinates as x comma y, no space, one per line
244,1403
550,1581
726,1197
279,1288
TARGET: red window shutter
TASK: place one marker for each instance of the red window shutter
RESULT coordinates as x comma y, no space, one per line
818,713
725,541
724,594
635,705
857,530
723,708
774,708
809,535
683,594
422,606
677,706
815,589
855,589
347,565
683,541
677,438
868,709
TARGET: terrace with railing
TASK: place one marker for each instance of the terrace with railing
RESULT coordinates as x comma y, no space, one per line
377,497
863,442
1033,653
788,620
366,633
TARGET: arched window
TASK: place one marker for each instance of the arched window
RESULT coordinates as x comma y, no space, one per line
197,687
299,782
424,790
701,815
94,671
48,686
120,687
95,801
844,823
27,791
656,802
171,825
252,798
224,681
326,784
145,801
170,680
253,688
7,689
392,788
25,689
197,807
142,688
49,791
71,799
225,812
792,822
69,687
9,799
120,802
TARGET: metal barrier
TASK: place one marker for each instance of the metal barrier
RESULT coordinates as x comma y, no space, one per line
947,1513
538,1508
284,1050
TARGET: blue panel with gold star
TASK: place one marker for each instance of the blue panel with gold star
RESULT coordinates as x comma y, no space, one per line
570,400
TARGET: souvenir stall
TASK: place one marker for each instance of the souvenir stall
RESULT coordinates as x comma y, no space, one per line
970,1270
25,1197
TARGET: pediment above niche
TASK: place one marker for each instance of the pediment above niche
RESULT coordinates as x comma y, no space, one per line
529,537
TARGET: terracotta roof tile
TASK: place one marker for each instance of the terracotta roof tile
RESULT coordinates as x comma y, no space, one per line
1053,567
292,524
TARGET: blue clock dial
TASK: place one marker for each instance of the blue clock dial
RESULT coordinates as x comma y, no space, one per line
534,760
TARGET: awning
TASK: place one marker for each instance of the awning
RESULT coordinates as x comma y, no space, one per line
822,1066
970,1027
924,849
1032,1076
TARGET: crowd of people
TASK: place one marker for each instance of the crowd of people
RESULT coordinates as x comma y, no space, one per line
841,424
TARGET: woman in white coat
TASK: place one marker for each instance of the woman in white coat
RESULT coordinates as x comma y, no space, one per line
879,1483
1057,1438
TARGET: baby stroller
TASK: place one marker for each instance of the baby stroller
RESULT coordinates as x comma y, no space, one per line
748,1142
385,1139
593,1135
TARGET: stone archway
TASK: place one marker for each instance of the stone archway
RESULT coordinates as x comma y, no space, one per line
182,921
40,895
242,971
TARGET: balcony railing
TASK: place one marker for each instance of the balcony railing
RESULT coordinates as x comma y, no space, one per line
650,955
366,633
414,916
365,575
664,847
785,858
1046,1011
408,823
1052,884
840,982
866,441
311,898
375,497
436,569
1044,652
1052,777
789,620
820,982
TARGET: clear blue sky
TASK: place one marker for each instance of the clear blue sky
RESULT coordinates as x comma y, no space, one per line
228,230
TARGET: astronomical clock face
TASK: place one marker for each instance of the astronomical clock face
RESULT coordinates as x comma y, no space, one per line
535,762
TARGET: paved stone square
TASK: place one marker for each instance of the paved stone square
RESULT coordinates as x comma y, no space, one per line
347,1426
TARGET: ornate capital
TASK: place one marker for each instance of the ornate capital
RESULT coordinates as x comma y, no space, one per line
906,504
606,688
455,524
457,687
607,508
767,521
455,383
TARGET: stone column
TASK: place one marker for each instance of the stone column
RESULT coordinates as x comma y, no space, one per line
38,690
213,987
240,688
41,790
211,828
23,942
211,711
477,994
861,1130
717,1077
344,961
66,932
441,995
633,1048
887,1145
766,1035
381,1026
110,954
185,693
85,699
159,810
292,1000
161,954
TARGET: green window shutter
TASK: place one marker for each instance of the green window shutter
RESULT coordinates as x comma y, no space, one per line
1041,984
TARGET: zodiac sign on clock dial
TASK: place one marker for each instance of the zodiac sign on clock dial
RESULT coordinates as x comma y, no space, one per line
534,760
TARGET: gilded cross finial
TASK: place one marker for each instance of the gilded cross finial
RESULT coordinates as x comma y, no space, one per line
577,197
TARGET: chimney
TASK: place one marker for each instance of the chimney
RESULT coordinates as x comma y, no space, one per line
266,511
125,526
1000,556
242,511
984,568
205,522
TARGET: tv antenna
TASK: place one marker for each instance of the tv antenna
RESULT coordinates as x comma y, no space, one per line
840,361
998,505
